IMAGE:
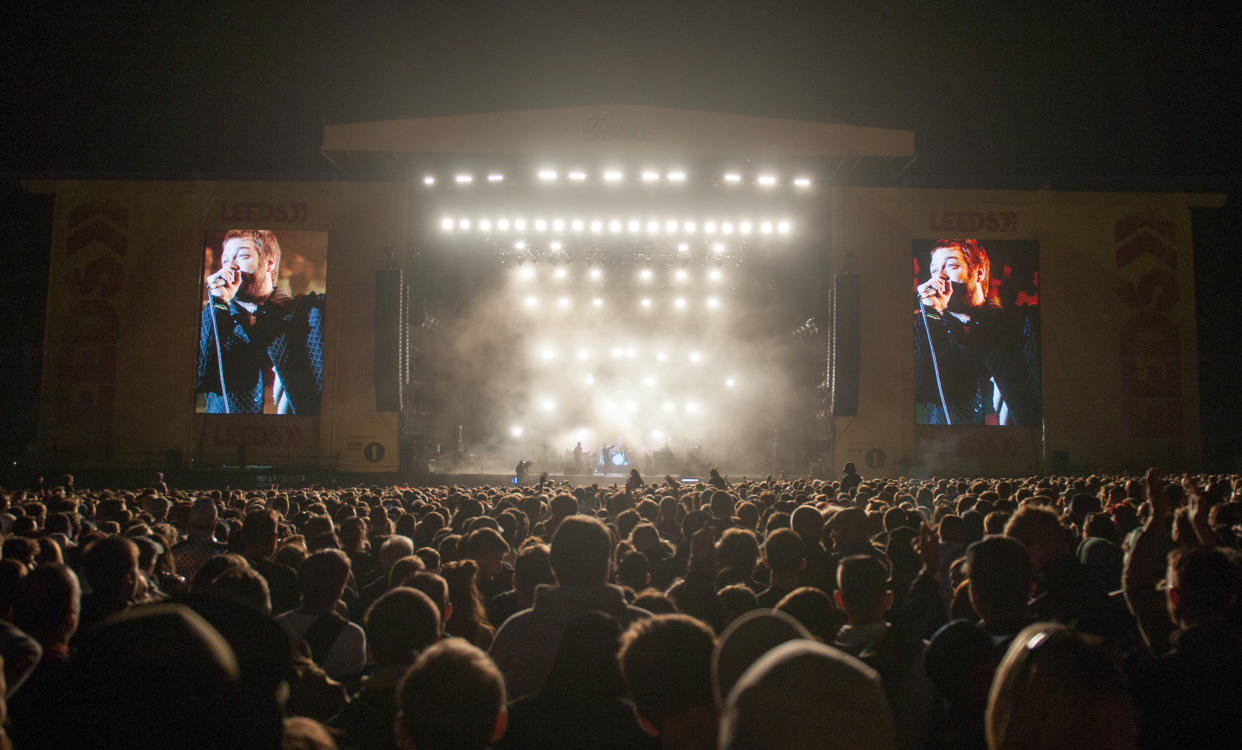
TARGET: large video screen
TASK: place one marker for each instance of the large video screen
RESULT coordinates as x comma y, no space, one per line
260,339
976,332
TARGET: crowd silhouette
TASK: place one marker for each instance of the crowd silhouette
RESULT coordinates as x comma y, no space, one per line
1033,612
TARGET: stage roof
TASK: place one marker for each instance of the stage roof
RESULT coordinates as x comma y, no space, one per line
618,131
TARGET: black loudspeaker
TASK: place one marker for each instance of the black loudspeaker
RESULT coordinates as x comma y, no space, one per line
846,344
387,340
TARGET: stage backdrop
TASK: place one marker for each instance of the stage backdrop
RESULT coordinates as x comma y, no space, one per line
1103,287
124,310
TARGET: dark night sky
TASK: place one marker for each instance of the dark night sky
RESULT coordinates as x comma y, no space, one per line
1109,94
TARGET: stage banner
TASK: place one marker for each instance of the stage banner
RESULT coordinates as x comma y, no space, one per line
1010,332
189,324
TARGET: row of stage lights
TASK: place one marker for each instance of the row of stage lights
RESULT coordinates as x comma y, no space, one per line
645,275
551,355
679,304
617,176
744,227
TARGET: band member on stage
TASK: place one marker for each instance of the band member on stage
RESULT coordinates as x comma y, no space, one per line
521,470
269,345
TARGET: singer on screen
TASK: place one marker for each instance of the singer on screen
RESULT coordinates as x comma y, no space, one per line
975,362
260,350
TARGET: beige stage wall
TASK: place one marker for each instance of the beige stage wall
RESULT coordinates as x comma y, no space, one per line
1116,300
1116,305
123,319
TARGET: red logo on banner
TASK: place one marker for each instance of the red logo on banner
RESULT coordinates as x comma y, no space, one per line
951,222
1151,346
83,346
253,212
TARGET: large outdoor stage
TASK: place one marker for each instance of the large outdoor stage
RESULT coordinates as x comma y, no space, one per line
628,279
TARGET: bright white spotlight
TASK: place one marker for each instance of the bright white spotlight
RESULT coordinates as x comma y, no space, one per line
597,302
634,225
447,224
558,225
526,273
464,179
555,245
680,303
577,225
715,274
765,228
502,225
733,177
783,227
662,356
515,431
563,303
710,227
677,176
463,223
651,176
645,274
583,354
680,274
589,380
657,435
547,175
802,182
519,245
669,406
767,180
597,226
519,224
548,354
577,176
692,408
670,226
560,273
617,352
595,273
495,177
713,303
744,227
631,353
541,225
695,357
718,248
614,226
531,302
683,247
649,381
429,180
645,302
485,225
727,227
689,227
613,175
547,404
653,227
730,382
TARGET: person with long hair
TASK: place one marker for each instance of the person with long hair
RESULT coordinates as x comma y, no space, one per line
468,618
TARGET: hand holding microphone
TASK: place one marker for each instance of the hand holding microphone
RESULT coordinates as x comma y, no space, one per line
935,293
223,284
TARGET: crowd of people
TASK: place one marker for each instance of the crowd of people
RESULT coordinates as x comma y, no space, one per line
1039,612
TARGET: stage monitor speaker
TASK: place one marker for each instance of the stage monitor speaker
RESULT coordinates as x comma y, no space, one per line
847,344
387,339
